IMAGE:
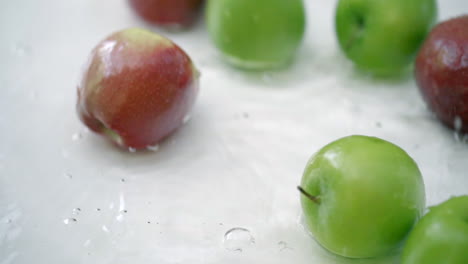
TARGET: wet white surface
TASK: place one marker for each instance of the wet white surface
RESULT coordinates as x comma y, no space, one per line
67,196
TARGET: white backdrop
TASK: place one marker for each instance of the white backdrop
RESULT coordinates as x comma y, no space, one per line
234,165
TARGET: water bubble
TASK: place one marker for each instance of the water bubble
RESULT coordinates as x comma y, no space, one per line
68,175
132,150
378,124
8,221
68,221
98,209
76,211
122,180
153,148
238,239
77,136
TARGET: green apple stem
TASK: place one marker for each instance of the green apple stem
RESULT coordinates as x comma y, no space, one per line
314,199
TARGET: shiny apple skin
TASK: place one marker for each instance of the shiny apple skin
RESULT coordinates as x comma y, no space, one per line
441,72
137,88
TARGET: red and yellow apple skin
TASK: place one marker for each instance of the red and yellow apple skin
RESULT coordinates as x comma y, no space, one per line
441,72
137,88
167,12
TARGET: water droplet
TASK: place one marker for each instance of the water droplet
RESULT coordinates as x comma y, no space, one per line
122,180
77,136
457,123
227,13
186,119
283,245
111,206
132,150
68,221
153,148
378,124
76,211
68,175
98,209
123,211
8,221
119,217
245,115
238,239
105,229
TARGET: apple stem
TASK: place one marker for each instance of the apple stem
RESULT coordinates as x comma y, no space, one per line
314,199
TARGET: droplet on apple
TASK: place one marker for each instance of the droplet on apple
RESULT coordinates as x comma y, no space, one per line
361,196
441,72
137,88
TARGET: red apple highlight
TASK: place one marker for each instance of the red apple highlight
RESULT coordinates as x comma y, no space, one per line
137,88
442,72
167,12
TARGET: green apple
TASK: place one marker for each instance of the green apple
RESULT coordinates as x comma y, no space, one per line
361,196
441,236
383,36
258,34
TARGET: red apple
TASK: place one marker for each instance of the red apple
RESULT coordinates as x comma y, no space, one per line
442,72
167,12
137,88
